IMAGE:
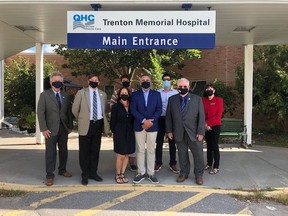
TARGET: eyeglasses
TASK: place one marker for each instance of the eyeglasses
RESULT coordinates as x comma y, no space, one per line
166,79
185,87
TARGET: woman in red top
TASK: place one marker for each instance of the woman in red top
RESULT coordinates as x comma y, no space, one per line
213,107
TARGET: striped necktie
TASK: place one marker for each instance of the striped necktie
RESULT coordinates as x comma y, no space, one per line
58,100
94,106
182,104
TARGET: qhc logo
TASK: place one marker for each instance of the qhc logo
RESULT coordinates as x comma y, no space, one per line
84,21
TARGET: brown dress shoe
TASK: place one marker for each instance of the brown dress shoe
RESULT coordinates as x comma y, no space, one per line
181,178
49,182
199,180
66,174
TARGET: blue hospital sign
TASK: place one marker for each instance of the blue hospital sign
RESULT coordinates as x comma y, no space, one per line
141,29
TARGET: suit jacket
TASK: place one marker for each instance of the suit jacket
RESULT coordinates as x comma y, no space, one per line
81,110
141,112
49,115
192,120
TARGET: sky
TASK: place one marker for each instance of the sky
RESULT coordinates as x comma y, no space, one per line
47,49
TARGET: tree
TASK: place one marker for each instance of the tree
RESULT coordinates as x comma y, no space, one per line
113,63
19,92
270,87
228,94
162,61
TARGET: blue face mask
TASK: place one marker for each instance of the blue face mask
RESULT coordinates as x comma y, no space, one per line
57,84
166,83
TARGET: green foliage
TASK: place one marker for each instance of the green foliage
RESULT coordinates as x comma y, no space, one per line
270,87
19,92
11,193
160,59
228,94
239,81
157,71
19,86
113,63
27,121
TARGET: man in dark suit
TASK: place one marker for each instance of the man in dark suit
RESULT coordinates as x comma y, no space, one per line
55,121
89,108
185,122
146,107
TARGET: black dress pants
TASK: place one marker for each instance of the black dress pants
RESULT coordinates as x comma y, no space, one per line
51,152
159,144
89,148
213,153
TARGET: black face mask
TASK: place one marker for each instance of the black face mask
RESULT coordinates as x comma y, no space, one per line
93,84
145,84
124,97
126,84
209,92
57,84
182,91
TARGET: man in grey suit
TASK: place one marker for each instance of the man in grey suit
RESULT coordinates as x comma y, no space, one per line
55,121
89,108
185,122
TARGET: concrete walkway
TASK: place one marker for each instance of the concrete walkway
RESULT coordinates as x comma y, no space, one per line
259,167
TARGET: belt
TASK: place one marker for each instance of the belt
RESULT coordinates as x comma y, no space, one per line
162,117
95,121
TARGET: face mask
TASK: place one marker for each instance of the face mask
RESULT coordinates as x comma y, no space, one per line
209,92
57,84
126,84
124,97
183,91
93,84
166,83
145,84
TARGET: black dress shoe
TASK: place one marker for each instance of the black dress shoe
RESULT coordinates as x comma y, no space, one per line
96,178
84,181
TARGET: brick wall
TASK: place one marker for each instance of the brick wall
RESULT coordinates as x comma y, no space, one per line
219,63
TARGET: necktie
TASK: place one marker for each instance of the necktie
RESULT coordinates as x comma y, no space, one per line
94,106
182,104
58,100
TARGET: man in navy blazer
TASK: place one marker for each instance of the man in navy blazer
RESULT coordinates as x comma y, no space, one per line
146,107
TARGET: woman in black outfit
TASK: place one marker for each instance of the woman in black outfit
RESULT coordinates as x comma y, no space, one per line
121,124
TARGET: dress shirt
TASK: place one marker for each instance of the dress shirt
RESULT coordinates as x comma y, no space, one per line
99,108
164,97
146,94
60,96
183,98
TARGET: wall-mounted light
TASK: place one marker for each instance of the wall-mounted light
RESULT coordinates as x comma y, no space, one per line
27,28
243,29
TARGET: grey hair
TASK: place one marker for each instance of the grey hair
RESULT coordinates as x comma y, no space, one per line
183,79
56,73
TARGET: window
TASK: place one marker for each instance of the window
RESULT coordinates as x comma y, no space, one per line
197,87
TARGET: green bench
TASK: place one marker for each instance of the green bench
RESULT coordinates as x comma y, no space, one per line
232,127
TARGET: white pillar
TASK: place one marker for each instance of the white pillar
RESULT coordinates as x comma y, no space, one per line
39,86
1,92
248,90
